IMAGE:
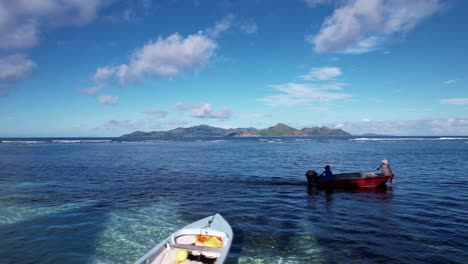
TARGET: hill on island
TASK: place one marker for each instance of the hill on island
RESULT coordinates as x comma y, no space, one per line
279,130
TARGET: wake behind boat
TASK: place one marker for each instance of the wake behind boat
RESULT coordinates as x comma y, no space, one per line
348,180
205,241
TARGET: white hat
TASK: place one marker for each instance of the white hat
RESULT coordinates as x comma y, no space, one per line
385,161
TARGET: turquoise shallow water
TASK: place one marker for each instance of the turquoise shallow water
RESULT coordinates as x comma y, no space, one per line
111,200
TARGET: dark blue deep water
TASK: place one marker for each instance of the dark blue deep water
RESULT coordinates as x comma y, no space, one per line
110,201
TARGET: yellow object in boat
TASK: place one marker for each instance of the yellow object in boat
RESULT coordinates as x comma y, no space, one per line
213,242
182,255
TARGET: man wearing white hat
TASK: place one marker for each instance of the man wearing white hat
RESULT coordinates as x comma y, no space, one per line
386,170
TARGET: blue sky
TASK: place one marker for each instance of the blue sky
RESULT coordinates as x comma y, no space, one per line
109,67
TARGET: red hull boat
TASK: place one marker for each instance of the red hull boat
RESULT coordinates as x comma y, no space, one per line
348,180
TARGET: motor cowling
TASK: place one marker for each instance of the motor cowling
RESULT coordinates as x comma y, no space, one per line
312,177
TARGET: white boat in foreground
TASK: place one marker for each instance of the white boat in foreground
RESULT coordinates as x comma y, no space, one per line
205,241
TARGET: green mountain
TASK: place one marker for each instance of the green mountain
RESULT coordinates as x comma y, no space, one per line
279,130
324,131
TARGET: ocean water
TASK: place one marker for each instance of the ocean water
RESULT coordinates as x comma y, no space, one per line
111,200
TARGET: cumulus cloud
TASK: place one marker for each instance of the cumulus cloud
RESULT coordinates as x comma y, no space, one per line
203,110
316,92
103,74
13,68
324,73
156,113
108,99
165,57
21,21
455,101
221,26
21,24
246,26
361,26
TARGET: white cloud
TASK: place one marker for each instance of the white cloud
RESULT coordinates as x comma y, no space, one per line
249,27
455,101
314,3
108,99
142,124
156,113
315,94
180,106
21,21
203,110
301,94
430,127
450,81
91,90
362,26
244,25
170,56
322,74
166,57
13,68
221,26
103,74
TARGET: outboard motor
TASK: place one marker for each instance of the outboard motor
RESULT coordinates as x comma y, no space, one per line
312,177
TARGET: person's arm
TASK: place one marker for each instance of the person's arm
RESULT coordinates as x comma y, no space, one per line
379,167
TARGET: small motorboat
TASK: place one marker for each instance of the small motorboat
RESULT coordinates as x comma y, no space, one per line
348,180
205,241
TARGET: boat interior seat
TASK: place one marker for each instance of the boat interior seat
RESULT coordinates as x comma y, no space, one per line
189,243
186,239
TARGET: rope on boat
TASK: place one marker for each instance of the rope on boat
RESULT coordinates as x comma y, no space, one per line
201,233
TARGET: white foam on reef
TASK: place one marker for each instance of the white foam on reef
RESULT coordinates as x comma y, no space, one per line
74,141
156,141
130,142
23,141
278,141
271,140
96,141
385,139
407,139
216,141
66,141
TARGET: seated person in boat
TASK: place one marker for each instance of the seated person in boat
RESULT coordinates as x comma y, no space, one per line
328,173
385,166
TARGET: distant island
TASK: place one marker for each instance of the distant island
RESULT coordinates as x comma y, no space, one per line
279,130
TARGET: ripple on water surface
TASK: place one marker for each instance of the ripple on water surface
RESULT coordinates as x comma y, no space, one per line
110,203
